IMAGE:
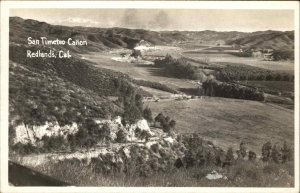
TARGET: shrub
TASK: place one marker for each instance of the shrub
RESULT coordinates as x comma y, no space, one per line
243,150
266,151
159,118
24,149
121,136
53,143
145,135
229,157
166,126
132,113
172,123
276,155
287,153
165,122
147,114
283,55
155,148
251,156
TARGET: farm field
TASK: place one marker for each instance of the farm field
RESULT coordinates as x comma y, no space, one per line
227,122
136,70
275,86
287,66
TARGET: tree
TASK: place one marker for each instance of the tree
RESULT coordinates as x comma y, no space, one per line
131,113
166,126
266,151
145,135
167,118
229,157
159,118
139,102
251,156
243,149
286,153
172,124
147,113
105,132
276,155
121,136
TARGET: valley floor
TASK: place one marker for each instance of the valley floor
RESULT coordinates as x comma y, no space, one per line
228,122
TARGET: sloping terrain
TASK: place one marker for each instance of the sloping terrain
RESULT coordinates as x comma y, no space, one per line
100,39
228,122
90,89
269,39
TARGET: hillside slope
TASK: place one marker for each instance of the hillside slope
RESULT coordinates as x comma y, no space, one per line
268,39
100,39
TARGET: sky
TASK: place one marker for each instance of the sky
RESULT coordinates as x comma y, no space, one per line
166,19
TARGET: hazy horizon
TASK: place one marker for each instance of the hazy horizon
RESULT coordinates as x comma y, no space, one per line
165,19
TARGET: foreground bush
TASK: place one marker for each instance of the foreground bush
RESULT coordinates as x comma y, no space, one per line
244,174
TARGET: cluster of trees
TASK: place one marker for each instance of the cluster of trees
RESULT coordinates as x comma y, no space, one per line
283,55
147,114
200,152
230,90
165,122
243,72
178,68
89,134
130,100
276,153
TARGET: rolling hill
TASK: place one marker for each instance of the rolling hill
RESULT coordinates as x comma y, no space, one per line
268,39
100,39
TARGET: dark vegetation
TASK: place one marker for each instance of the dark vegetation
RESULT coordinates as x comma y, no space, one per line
231,90
283,55
227,72
68,91
178,68
165,122
233,72
147,114
240,167
275,40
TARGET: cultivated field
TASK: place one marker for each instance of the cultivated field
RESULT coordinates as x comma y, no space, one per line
280,86
227,122
137,70
257,62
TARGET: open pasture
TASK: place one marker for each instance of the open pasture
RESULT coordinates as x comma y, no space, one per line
219,57
138,71
228,122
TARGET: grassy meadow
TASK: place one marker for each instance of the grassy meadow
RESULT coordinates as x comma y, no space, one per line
213,57
227,122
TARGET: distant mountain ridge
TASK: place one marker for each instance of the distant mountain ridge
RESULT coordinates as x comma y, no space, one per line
100,39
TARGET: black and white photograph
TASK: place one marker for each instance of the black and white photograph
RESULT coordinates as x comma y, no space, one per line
151,97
